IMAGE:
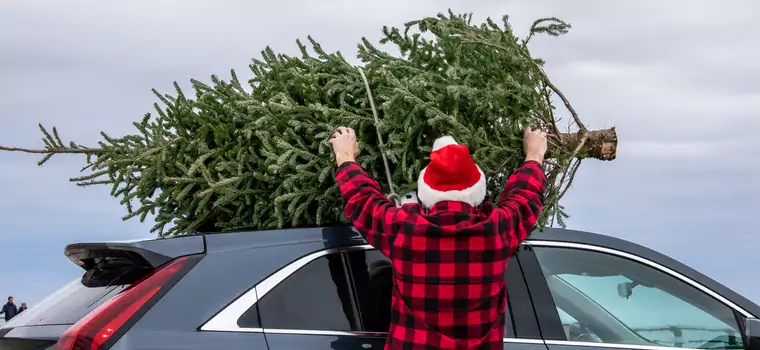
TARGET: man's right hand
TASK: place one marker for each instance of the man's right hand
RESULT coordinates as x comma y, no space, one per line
534,144
345,145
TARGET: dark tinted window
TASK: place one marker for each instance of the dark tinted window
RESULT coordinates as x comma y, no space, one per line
320,296
316,297
373,281
250,319
603,298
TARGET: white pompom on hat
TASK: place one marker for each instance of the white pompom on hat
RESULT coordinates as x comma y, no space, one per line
452,175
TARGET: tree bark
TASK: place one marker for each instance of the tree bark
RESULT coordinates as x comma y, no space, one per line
598,144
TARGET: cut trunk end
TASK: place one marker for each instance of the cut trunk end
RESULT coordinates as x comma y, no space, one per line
600,144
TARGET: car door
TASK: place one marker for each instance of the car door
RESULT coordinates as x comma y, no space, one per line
339,298
591,297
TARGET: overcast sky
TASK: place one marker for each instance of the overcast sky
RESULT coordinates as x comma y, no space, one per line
679,79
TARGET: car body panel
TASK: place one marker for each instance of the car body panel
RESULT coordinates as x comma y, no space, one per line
163,339
234,263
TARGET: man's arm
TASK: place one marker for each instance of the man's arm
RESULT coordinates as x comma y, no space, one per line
521,202
371,212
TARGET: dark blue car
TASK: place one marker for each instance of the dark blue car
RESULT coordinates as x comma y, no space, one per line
325,288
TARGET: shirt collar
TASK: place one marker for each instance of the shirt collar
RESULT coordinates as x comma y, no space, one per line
451,206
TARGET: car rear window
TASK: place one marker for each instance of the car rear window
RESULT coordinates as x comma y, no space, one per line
65,306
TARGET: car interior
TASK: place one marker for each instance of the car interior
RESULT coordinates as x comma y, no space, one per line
596,323
381,282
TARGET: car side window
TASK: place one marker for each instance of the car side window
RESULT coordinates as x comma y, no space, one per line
347,291
316,297
372,277
604,298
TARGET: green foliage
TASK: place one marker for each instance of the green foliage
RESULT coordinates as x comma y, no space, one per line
258,157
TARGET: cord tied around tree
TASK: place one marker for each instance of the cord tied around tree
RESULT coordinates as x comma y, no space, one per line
393,196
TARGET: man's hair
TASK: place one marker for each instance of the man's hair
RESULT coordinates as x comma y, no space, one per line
10,297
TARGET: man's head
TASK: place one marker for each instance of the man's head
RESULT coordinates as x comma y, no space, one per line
452,175
23,304
10,300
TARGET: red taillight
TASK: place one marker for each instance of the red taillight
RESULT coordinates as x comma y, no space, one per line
99,326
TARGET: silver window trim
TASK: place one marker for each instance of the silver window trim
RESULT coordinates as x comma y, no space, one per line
360,334
611,345
226,320
644,261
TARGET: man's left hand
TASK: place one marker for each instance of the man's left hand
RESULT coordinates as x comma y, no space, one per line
344,144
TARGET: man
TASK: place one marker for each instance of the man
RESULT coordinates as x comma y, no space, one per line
22,308
9,310
449,255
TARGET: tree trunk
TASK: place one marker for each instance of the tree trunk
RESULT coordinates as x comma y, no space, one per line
599,144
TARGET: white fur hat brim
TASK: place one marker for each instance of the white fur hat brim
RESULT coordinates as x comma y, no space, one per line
474,195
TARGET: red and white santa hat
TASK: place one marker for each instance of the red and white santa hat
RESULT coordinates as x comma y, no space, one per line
452,175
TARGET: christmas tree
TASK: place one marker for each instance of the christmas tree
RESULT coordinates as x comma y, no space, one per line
258,156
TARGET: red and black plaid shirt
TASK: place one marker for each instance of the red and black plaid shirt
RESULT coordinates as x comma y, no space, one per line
449,262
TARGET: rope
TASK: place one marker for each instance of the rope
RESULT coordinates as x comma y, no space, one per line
394,197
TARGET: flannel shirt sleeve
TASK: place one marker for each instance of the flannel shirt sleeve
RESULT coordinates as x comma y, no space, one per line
371,212
521,203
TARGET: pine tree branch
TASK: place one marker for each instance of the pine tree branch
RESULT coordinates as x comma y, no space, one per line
572,177
545,93
53,150
564,99
544,78
581,143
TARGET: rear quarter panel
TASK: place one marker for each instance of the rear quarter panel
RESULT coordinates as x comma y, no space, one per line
227,271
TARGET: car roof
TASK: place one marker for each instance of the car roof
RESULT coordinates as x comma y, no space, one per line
346,235
582,237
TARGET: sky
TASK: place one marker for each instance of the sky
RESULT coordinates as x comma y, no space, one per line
678,78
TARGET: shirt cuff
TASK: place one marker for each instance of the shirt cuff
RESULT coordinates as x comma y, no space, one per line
345,165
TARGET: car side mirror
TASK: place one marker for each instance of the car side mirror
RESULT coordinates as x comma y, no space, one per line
752,333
